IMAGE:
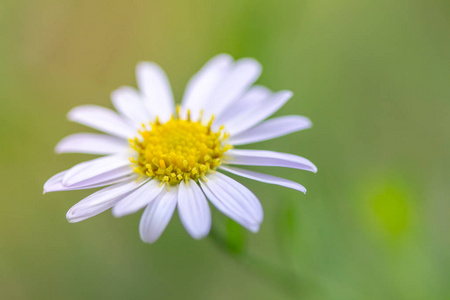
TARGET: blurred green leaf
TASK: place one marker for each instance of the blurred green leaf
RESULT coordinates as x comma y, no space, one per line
236,237
389,207
287,222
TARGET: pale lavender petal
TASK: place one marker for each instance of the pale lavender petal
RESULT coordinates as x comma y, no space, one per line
102,200
269,158
129,103
55,184
270,129
244,73
254,97
202,85
102,119
234,200
157,215
155,87
99,170
138,199
258,114
91,143
265,178
194,210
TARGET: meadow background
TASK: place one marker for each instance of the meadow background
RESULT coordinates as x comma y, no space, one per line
374,77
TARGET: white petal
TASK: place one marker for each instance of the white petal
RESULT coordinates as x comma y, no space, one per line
247,103
138,199
154,85
55,184
99,170
102,119
261,112
128,102
234,200
91,143
269,158
157,215
244,73
271,129
194,210
101,200
265,178
202,85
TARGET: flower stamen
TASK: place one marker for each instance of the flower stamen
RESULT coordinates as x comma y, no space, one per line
179,149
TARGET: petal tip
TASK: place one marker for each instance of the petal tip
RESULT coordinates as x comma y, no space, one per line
71,220
47,188
70,215
58,149
119,212
198,235
288,94
72,114
224,56
255,228
147,241
143,66
115,212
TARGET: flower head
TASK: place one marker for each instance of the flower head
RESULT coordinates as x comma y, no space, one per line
161,157
179,150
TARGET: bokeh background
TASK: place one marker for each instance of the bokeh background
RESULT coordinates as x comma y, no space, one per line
372,75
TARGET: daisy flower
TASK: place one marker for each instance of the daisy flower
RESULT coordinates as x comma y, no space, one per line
159,156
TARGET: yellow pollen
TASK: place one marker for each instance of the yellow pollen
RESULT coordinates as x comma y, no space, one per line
179,150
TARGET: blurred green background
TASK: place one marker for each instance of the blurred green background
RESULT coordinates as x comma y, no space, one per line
372,75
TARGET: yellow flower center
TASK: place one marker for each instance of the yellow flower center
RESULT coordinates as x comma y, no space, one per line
179,150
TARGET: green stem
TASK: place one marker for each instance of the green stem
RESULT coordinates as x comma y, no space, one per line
283,278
